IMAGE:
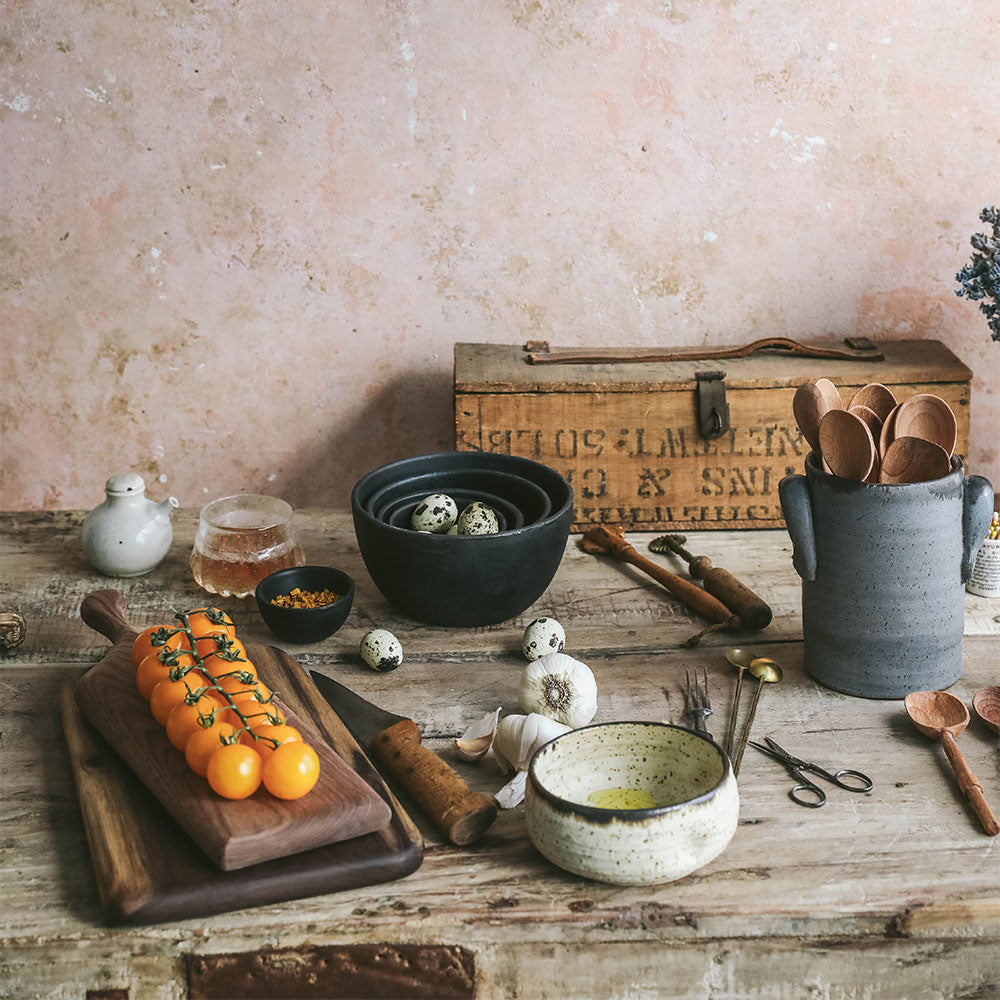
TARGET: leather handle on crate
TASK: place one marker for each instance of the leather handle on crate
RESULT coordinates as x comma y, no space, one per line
538,352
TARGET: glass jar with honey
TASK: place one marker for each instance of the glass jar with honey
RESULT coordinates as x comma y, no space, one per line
240,540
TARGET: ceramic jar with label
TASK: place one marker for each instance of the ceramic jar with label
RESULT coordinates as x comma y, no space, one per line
128,534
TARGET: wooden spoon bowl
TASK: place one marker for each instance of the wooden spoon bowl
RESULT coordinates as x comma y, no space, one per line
847,444
914,460
929,417
987,706
876,397
811,402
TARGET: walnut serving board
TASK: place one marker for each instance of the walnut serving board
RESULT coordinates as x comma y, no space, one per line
165,846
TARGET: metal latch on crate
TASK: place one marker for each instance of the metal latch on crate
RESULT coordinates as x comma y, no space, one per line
713,410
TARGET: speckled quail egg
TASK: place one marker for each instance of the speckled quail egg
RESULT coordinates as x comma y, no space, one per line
478,519
381,650
436,513
543,636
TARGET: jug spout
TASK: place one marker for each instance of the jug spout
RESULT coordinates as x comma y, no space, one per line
165,509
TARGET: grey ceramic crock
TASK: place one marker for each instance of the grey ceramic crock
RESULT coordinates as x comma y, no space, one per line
883,569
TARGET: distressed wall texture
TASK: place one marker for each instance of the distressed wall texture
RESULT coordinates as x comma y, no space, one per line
240,238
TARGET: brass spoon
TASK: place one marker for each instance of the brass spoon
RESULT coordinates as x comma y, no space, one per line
766,671
741,659
942,716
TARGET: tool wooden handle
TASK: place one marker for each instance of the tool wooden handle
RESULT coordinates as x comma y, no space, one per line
461,814
969,784
104,611
691,594
740,599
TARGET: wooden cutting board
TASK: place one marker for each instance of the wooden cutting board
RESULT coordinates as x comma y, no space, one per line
150,870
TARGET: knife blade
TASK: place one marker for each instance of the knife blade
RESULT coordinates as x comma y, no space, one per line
461,814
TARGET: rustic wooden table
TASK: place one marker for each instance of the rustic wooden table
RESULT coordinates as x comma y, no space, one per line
891,894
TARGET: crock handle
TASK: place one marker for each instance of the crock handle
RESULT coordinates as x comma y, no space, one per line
796,507
977,510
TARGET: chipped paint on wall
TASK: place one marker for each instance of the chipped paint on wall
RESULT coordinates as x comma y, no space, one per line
239,241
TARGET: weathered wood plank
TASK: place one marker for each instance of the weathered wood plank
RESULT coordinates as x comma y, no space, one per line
605,606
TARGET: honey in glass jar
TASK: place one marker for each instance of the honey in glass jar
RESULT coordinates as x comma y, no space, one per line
240,540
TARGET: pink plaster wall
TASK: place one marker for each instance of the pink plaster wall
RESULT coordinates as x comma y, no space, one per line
240,238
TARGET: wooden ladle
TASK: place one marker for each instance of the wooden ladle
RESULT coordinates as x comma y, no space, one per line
811,402
942,716
847,444
929,417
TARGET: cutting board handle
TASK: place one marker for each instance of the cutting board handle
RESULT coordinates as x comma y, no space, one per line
104,611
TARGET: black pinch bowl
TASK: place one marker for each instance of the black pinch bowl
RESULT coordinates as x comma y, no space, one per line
305,625
462,580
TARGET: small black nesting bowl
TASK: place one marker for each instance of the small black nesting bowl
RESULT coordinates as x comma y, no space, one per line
461,580
305,625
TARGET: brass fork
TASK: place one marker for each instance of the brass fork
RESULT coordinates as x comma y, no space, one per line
696,701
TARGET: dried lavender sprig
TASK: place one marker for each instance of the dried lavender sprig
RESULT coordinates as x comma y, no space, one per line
980,279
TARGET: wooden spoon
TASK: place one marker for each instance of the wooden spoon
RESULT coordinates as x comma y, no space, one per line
847,444
914,460
888,434
871,418
929,417
811,402
987,706
942,716
876,397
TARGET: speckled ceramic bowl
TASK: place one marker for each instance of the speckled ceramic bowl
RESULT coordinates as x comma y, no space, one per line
686,774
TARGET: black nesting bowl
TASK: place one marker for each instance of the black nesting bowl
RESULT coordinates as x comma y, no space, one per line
487,485
305,625
463,580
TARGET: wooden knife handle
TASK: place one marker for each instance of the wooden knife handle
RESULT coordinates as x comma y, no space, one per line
740,599
104,611
970,784
461,814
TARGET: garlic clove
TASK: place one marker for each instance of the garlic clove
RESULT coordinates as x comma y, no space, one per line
512,794
476,741
560,687
519,736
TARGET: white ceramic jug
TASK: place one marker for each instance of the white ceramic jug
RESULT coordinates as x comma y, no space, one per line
127,535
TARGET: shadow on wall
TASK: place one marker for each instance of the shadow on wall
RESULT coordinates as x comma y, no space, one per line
411,415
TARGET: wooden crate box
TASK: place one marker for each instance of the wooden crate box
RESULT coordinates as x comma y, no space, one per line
629,439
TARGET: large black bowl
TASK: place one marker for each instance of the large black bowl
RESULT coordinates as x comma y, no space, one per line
459,579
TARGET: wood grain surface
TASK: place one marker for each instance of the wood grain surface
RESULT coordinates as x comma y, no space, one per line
233,833
879,896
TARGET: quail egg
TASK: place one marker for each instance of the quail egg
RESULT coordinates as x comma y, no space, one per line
478,519
381,650
436,513
543,636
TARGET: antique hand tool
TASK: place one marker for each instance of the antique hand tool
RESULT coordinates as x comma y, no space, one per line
766,671
460,813
740,599
605,540
814,795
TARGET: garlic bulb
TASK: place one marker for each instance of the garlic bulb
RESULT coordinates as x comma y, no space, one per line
560,687
519,736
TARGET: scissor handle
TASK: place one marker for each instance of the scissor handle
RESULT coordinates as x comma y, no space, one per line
807,788
864,783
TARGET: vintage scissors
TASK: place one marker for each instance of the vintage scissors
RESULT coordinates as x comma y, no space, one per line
808,793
